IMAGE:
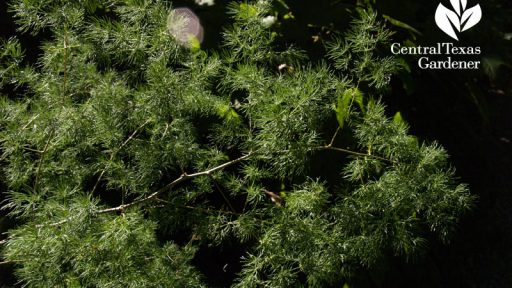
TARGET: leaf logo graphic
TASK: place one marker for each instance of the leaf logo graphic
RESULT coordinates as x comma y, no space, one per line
459,20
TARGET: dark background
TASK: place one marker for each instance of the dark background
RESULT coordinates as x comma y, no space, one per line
468,112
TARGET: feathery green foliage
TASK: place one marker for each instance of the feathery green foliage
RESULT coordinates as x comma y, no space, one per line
124,152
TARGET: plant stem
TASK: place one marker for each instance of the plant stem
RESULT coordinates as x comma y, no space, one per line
116,151
329,147
41,160
171,185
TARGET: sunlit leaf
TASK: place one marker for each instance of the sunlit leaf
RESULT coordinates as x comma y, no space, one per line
398,118
247,11
345,101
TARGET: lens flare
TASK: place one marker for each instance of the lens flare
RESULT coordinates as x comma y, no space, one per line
184,25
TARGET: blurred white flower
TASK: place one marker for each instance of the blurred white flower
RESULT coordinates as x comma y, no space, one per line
205,2
268,21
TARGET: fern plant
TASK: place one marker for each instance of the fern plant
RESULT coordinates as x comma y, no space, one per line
124,151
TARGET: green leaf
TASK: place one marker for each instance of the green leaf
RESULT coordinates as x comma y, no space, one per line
227,113
344,104
341,109
288,16
194,43
401,24
247,11
358,97
403,63
398,118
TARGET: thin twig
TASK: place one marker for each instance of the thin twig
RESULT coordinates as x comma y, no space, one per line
154,195
211,210
171,185
43,154
334,136
222,194
355,153
30,122
206,210
133,134
56,223
32,150
116,151
64,82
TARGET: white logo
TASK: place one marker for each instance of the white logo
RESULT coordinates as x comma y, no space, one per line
462,19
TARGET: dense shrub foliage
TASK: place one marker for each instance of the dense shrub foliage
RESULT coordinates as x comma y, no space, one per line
124,151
